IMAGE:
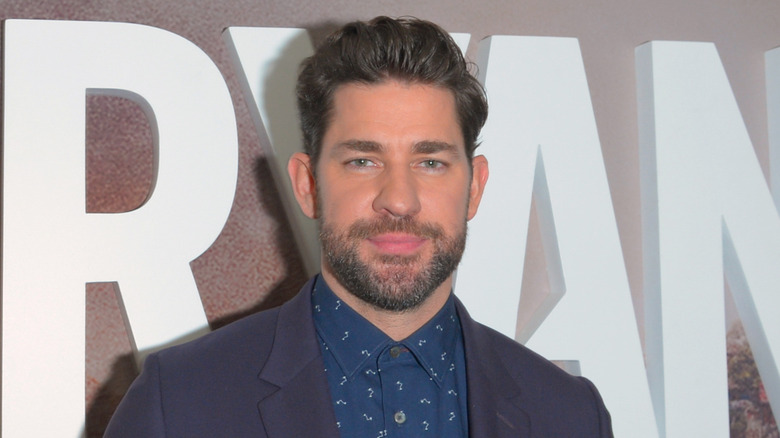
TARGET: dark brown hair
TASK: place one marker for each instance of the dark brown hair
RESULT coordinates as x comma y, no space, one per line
406,49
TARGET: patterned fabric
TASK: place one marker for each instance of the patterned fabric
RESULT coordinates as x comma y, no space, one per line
382,388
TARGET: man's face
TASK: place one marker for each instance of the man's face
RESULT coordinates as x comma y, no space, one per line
394,190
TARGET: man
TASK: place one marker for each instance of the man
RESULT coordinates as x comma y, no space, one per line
377,345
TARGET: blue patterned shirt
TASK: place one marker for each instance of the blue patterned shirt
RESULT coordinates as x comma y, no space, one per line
382,388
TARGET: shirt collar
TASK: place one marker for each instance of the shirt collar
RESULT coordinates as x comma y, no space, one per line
352,339
434,343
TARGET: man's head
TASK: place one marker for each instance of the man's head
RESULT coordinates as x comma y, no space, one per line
391,115
405,49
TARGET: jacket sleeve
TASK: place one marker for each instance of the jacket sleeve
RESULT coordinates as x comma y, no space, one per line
140,412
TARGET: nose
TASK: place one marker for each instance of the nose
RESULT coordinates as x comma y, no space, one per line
397,193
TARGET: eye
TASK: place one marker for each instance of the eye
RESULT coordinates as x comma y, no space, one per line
361,162
431,164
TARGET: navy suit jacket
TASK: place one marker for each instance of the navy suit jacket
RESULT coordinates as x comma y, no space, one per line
263,376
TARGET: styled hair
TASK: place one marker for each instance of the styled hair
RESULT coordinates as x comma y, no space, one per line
404,49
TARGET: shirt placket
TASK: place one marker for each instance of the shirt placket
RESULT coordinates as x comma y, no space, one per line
398,371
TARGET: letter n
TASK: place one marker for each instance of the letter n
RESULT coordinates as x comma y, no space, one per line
707,215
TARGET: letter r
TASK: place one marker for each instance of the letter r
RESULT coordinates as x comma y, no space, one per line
52,247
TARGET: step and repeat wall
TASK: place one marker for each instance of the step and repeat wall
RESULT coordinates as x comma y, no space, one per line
628,230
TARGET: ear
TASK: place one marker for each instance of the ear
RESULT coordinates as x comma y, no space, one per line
479,177
303,183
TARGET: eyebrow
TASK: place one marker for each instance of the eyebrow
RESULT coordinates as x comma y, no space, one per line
362,146
432,147
423,147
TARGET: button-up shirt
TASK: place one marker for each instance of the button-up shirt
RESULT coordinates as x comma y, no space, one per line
383,388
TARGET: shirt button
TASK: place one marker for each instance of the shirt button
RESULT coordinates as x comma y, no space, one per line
399,417
395,352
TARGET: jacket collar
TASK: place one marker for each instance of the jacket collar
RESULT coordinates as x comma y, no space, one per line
494,396
295,398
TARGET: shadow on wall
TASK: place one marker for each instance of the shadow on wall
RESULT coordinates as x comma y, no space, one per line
109,395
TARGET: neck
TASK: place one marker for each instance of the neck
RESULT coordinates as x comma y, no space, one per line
396,325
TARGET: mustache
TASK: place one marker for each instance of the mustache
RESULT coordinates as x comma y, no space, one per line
365,228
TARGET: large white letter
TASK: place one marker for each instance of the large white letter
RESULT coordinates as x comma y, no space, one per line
51,247
772,58
706,207
541,138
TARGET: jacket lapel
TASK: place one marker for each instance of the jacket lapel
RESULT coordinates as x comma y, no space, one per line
295,398
493,395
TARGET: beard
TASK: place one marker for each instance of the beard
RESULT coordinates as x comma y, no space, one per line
391,282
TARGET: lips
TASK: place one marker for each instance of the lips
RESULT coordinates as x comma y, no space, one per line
397,243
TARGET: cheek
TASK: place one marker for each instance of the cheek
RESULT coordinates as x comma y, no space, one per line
448,207
345,205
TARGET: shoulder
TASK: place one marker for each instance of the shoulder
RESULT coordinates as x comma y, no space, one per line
211,386
245,341
533,371
185,389
553,399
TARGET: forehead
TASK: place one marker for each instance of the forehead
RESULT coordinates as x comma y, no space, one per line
393,112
